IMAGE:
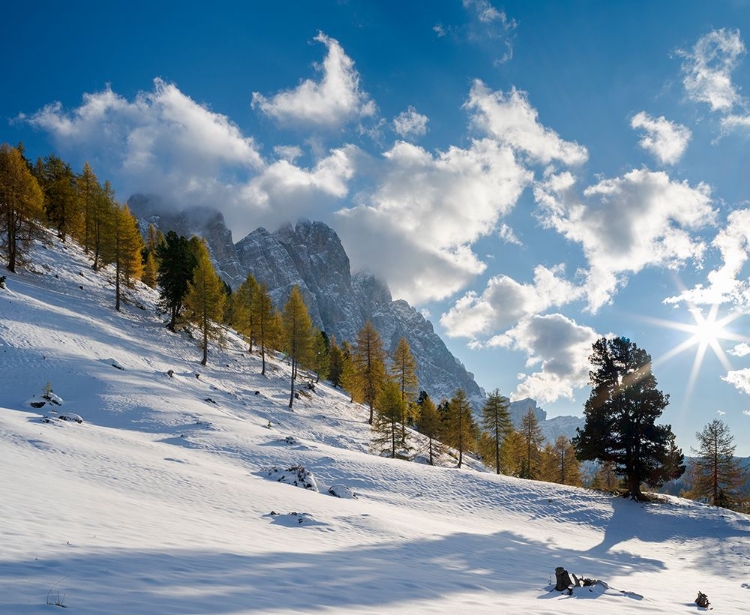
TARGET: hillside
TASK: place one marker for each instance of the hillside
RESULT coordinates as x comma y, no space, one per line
166,497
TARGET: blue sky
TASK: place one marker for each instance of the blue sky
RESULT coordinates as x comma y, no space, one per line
531,175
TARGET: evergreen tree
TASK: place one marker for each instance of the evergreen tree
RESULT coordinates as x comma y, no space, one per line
204,300
430,425
242,315
89,191
265,322
671,468
389,410
335,363
531,434
404,372
102,219
121,246
176,263
719,475
496,421
297,335
459,426
348,377
58,182
368,363
621,414
321,350
21,206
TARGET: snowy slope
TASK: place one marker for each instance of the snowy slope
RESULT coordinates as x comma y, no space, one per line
164,499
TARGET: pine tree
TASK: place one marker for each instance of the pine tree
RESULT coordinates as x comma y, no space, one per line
321,351
266,323
368,362
177,260
335,363
621,414
459,427
430,425
404,372
531,433
496,421
21,206
121,246
204,300
58,182
719,475
389,410
297,335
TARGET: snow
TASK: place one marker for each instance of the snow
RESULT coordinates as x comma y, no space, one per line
164,499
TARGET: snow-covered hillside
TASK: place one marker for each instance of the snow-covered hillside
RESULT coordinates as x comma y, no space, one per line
166,498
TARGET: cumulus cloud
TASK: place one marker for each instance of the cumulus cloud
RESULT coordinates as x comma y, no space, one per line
165,143
330,102
560,347
513,121
665,140
414,228
626,224
725,283
740,350
505,302
740,379
410,123
708,68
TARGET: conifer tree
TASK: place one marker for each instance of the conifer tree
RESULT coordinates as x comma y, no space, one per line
266,322
89,191
321,351
21,206
718,475
335,363
348,377
242,315
150,271
121,246
297,335
559,463
58,183
404,372
621,414
389,411
204,300
368,364
531,433
496,421
606,478
512,454
177,259
459,427
430,425
102,219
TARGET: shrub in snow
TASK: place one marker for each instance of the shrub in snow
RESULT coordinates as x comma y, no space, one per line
290,440
342,491
2,281
294,475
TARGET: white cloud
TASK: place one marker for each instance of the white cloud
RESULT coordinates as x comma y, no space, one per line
666,140
560,347
507,234
740,350
489,26
505,301
725,284
708,69
626,224
513,121
414,228
733,122
330,102
720,412
740,379
290,153
410,123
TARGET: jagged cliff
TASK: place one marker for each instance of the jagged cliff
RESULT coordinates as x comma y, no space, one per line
310,255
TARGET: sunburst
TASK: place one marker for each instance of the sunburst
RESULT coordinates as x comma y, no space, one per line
707,331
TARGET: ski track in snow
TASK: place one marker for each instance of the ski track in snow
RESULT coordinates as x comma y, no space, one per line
158,502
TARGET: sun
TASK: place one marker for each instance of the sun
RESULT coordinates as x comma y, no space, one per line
706,331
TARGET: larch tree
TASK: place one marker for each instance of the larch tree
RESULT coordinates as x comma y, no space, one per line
266,324
718,476
204,301
459,426
404,372
533,440
121,246
388,413
89,191
102,213
242,315
368,363
430,426
559,463
297,335
321,354
496,422
21,206
335,363
177,259
621,414
58,182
